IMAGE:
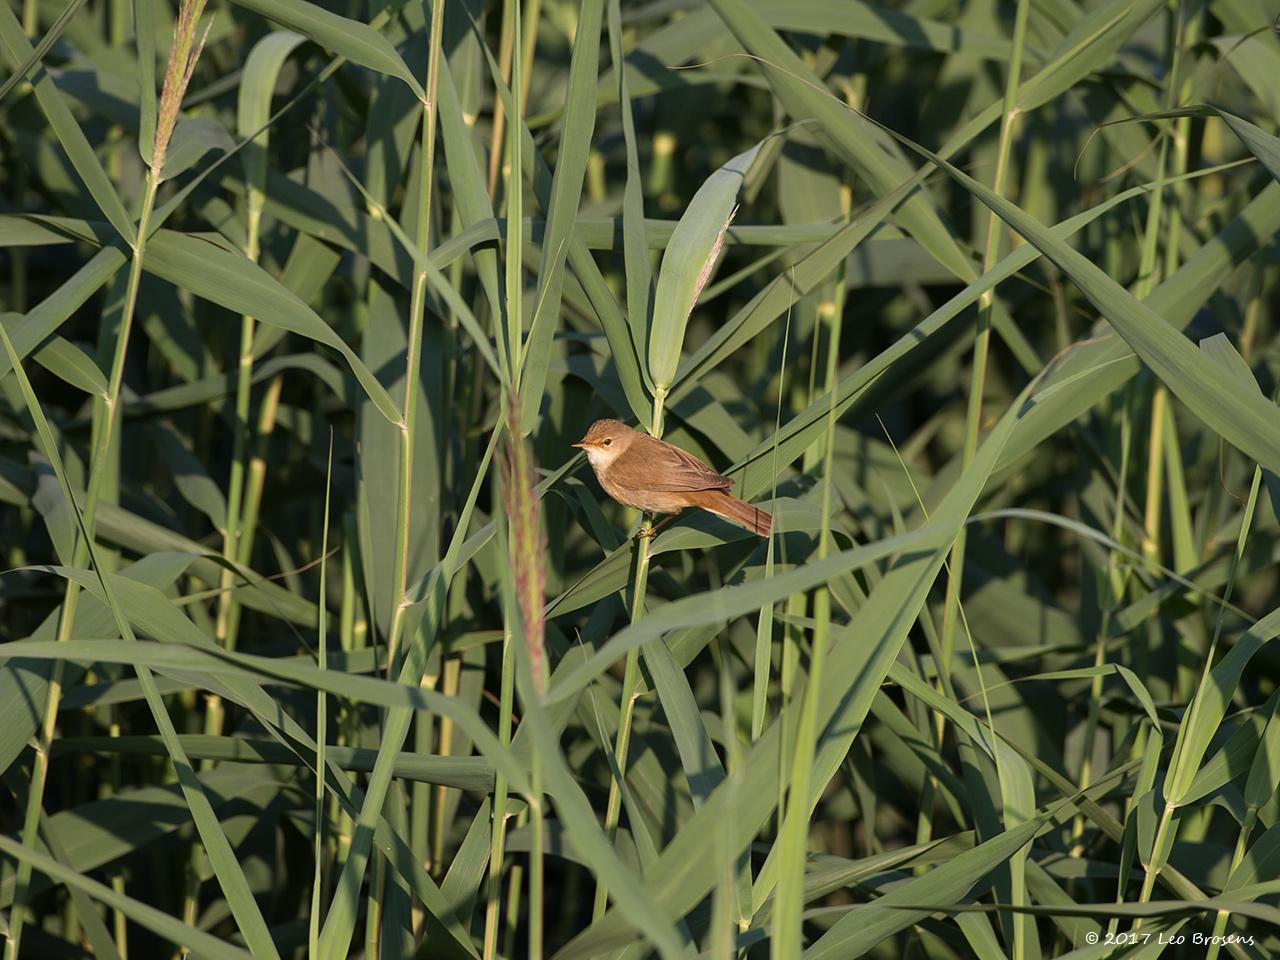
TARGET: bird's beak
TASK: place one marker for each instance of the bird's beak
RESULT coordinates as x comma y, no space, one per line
580,446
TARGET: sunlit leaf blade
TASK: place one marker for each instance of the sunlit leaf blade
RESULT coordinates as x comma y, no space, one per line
358,42
687,262
1240,414
141,913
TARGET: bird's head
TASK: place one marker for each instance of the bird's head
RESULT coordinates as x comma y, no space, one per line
605,441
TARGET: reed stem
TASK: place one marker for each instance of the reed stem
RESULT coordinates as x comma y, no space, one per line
106,416
631,685
1237,857
498,835
413,349
977,383
786,938
982,341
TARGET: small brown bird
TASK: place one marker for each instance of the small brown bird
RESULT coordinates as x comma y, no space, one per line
649,474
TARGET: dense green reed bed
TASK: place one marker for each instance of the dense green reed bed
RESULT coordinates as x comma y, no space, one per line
320,639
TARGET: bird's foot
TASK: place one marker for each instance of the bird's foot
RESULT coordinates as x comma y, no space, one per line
646,531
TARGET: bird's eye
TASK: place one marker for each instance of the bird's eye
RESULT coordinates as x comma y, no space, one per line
606,441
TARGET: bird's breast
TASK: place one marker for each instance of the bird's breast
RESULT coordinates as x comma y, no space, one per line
654,501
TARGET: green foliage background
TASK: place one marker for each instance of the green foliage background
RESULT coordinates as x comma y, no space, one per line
285,415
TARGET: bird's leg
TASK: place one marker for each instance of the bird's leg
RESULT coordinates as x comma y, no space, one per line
650,531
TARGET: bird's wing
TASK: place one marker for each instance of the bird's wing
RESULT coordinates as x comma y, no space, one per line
679,471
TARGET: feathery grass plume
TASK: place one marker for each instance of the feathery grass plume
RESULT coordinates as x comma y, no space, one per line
183,55
526,544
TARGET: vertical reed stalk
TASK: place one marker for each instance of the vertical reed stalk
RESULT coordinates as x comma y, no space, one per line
1252,313
451,669
1180,769
322,724
786,938
498,834
529,43
268,410
977,384
626,702
1149,273
762,667
1160,847
408,426
351,635
515,893
982,342
1259,788
537,853
510,335
420,805
227,623
631,685
182,60
506,43
728,917
1237,857
413,350
1111,588
526,546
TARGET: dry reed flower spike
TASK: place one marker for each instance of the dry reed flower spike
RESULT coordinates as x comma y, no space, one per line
526,543
183,55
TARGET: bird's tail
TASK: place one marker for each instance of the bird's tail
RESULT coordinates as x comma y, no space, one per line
744,514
